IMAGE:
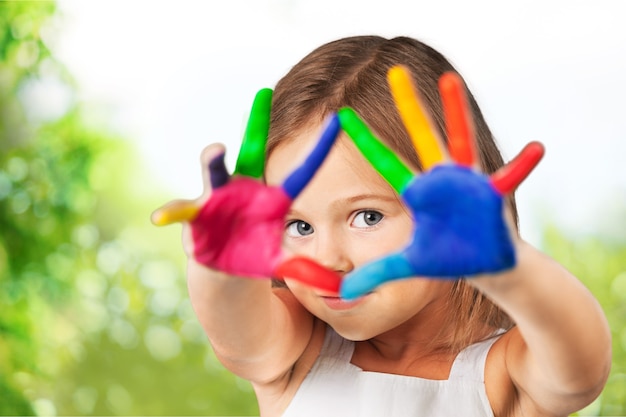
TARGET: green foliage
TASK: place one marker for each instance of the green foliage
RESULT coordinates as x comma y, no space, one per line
601,265
21,202
95,318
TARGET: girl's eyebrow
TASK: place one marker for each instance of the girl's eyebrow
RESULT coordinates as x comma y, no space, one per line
361,197
394,198
368,198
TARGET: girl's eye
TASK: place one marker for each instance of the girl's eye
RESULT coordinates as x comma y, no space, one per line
299,228
367,218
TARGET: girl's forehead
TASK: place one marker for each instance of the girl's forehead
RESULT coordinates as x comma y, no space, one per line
292,152
344,169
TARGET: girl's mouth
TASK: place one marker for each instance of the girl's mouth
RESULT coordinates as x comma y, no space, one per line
338,303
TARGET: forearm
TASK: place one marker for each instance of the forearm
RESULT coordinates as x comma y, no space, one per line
566,335
257,332
233,311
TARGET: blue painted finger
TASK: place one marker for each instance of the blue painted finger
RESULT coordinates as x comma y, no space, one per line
366,278
299,178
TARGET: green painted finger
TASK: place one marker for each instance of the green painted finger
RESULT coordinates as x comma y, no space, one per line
251,159
378,154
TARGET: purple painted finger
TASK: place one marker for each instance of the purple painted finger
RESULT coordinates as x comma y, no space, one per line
218,172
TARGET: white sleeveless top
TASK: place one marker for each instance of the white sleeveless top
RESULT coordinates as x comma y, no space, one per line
335,387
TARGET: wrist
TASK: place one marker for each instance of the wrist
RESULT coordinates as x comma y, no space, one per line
510,279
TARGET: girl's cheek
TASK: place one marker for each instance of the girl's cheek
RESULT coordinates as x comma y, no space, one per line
364,249
378,244
287,247
293,246
301,292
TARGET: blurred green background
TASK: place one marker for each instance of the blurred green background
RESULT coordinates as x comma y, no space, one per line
94,315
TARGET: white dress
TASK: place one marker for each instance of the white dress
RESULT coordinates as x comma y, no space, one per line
335,387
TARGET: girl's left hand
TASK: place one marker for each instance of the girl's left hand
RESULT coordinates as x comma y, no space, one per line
458,211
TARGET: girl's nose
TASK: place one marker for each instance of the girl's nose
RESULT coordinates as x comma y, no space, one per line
333,252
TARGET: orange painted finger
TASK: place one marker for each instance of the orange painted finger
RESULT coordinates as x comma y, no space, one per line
417,122
459,123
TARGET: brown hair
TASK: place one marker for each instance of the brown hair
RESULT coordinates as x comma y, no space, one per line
353,72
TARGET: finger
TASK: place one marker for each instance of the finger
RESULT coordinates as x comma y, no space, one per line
176,211
387,163
251,159
218,174
214,172
299,178
309,273
459,123
507,178
426,141
213,176
366,278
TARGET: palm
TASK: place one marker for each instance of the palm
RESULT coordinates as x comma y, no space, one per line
239,229
459,225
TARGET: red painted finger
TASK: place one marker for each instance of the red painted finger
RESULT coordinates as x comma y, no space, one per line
309,273
507,178
459,123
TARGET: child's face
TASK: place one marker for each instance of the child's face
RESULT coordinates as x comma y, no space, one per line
347,216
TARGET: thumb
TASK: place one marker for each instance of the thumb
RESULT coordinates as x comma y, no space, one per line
369,276
214,175
174,211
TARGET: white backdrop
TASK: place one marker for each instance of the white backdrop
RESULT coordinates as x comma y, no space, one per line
176,76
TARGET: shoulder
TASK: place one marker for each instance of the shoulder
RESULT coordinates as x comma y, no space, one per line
311,353
275,396
501,391
505,397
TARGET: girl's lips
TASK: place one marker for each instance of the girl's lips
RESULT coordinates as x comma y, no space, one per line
338,303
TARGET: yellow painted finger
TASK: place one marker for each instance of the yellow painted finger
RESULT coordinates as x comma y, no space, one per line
177,211
425,139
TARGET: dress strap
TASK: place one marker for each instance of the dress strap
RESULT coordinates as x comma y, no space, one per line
470,362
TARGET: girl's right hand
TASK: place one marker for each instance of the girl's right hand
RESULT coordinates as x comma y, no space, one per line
237,224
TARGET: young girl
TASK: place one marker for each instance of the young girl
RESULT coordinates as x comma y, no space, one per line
529,340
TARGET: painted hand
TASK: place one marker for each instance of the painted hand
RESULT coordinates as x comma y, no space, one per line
237,225
460,228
